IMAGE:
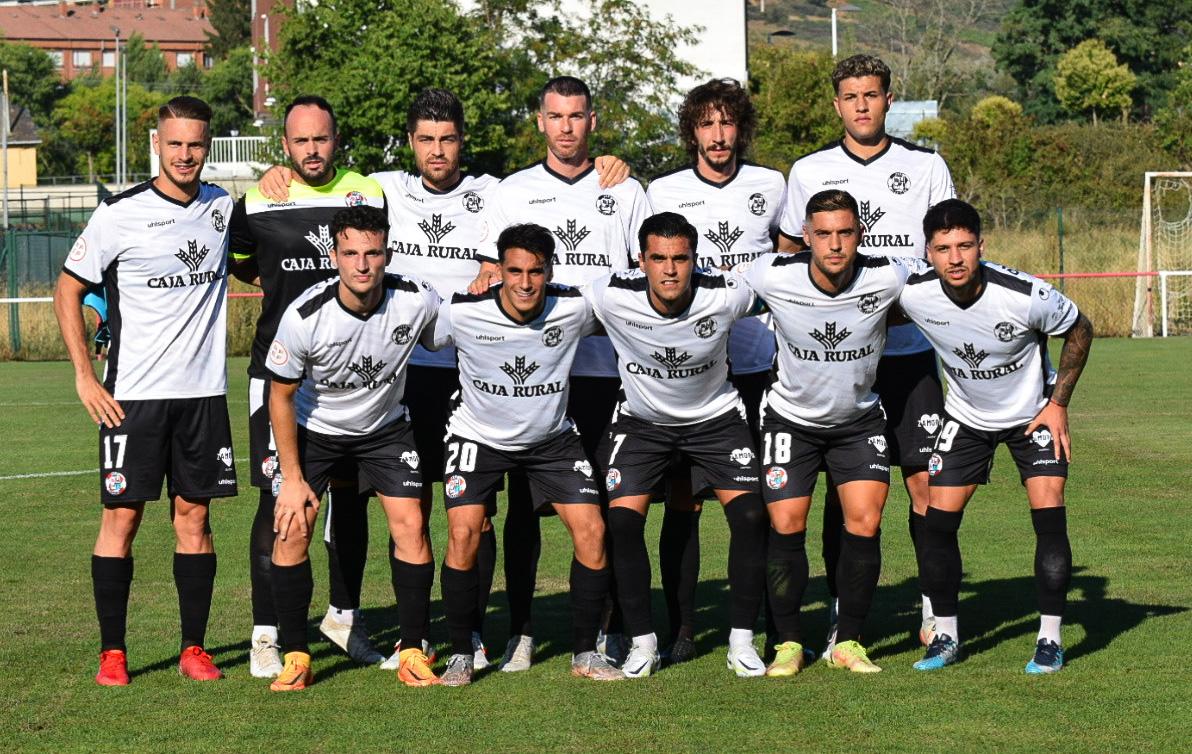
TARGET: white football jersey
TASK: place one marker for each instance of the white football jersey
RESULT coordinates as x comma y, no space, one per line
737,220
829,344
352,366
595,233
894,189
993,349
163,264
513,377
674,370
435,236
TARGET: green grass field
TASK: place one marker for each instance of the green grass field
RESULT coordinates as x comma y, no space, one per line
1128,628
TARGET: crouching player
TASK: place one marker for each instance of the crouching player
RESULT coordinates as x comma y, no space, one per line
339,370
989,324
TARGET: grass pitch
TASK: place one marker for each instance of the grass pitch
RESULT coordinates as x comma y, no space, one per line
1128,628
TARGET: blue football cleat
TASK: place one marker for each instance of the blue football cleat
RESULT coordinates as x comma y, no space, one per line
942,651
1049,658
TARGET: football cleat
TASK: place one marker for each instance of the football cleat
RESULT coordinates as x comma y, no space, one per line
414,669
830,643
519,654
264,658
592,664
614,646
196,665
745,661
789,659
850,655
943,651
682,650
459,670
394,659
113,668
1049,658
296,675
927,631
479,654
640,662
351,638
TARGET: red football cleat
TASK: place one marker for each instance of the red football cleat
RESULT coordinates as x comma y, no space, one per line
196,665
113,668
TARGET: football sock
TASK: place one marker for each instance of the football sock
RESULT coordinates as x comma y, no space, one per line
522,539
459,606
740,637
940,570
346,617
1049,628
589,587
648,642
486,565
857,574
917,524
678,560
1053,559
269,632
748,524
260,560
830,536
786,580
631,564
194,576
347,546
947,626
411,588
111,579
292,589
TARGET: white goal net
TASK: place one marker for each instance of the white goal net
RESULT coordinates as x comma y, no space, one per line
1163,296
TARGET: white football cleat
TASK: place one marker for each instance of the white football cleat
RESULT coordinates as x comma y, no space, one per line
519,654
264,658
640,662
479,654
745,661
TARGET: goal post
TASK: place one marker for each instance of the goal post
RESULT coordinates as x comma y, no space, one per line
1164,245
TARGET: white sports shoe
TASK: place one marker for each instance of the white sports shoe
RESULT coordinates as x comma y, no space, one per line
394,660
745,661
352,639
519,653
640,662
830,644
264,658
479,655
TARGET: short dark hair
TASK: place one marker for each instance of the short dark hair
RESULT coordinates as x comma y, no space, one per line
315,100
726,95
566,86
191,108
362,217
951,214
529,237
437,105
859,66
667,225
832,200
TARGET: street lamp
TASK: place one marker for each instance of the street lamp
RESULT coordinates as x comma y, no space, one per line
847,7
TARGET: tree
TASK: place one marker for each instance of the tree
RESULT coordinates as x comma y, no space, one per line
232,22
86,119
792,92
146,64
33,82
227,87
1089,79
1174,119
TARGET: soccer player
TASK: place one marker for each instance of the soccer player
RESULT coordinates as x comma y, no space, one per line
338,362
159,250
990,324
596,228
894,183
829,306
283,247
515,357
735,206
670,322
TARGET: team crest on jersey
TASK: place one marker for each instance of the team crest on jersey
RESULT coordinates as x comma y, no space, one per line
1004,331
879,443
583,467
868,303
473,202
929,423
401,335
217,221
776,477
606,204
115,483
899,183
971,355
757,204
192,256
278,353
225,455
730,282
1044,293
572,237
269,466
553,336
742,456
354,198
1041,437
455,486
935,464
705,327
612,480
723,237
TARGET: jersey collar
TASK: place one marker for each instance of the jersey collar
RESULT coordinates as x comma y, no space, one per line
172,200
362,317
862,161
965,305
722,184
565,179
444,192
852,279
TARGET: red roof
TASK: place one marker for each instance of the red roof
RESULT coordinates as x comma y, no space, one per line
86,22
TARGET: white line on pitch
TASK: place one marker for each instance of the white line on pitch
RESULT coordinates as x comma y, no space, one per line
45,474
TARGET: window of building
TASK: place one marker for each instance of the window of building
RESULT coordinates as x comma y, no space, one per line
185,58
57,56
109,59
81,58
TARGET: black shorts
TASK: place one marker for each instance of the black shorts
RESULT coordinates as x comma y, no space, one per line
557,470
639,453
186,441
752,387
429,393
385,460
913,398
793,454
964,455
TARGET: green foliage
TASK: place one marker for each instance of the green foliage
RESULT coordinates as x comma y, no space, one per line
1089,79
996,109
232,21
792,92
227,87
32,79
85,118
146,64
1174,119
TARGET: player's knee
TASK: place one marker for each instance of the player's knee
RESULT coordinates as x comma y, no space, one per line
787,520
291,550
865,524
463,536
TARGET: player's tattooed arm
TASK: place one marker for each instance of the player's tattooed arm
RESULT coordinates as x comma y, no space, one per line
275,183
612,170
1077,342
296,501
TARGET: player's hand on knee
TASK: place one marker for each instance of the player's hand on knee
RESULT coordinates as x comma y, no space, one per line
1055,418
104,409
275,183
292,501
611,169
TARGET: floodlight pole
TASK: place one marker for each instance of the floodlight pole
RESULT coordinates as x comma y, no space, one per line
4,146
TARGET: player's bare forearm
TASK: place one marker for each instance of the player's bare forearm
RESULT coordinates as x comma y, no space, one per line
68,308
1074,355
284,421
788,245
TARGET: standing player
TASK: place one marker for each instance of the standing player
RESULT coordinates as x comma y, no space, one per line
515,357
670,324
829,306
338,362
894,182
735,207
596,228
284,247
989,324
159,250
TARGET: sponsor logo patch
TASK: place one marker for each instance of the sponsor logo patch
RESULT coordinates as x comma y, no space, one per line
353,198
776,477
583,467
410,458
1041,437
935,464
268,466
878,442
278,353
742,456
79,250
929,423
225,455
115,483
455,486
612,480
